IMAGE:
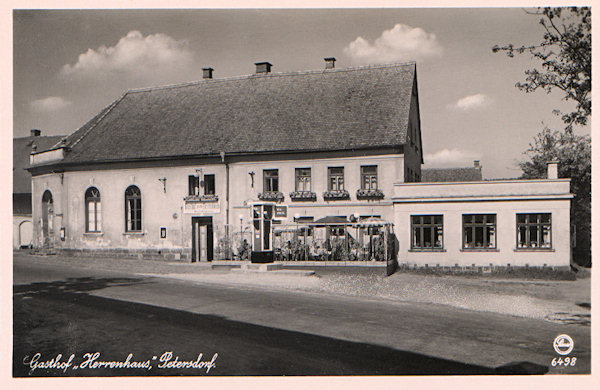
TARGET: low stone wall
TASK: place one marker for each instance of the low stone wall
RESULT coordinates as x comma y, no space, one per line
509,271
146,254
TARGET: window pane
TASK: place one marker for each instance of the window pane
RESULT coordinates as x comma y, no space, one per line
546,237
468,232
522,237
533,236
491,237
209,184
521,218
545,218
479,236
438,237
438,219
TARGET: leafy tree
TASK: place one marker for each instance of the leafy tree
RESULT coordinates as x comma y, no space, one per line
574,154
566,59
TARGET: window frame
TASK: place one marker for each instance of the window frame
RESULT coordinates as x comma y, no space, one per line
132,212
338,177
369,177
421,225
270,177
474,225
97,200
300,173
193,185
213,184
539,224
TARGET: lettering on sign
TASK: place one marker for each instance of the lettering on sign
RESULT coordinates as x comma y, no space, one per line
281,211
201,207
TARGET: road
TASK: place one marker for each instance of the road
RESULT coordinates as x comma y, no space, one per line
68,310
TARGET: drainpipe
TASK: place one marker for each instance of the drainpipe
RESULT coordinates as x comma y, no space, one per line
226,188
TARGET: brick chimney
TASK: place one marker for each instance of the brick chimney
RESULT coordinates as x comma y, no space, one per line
329,62
35,132
476,164
552,169
207,73
263,67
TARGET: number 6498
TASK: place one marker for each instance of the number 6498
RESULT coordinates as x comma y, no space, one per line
568,361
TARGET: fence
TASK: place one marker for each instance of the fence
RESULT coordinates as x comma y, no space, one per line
367,241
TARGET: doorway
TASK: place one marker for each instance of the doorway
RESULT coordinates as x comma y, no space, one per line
47,219
202,239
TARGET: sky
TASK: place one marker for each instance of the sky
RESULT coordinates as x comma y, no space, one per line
69,64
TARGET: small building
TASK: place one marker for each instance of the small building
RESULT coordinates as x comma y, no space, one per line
174,171
22,149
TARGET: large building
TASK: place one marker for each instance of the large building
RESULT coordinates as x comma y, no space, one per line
172,169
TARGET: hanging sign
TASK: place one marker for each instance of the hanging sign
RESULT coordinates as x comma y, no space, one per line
281,211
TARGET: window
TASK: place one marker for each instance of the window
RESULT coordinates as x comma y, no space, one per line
303,179
209,184
479,231
368,177
336,179
534,231
133,209
427,231
93,210
194,185
271,180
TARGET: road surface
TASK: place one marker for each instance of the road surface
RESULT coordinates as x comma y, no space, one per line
74,311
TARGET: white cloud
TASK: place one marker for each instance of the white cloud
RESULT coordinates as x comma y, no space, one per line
50,104
471,102
400,43
450,158
134,55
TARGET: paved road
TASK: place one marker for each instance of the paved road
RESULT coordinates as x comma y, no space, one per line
67,310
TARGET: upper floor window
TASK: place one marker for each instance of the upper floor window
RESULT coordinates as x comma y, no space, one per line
209,184
195,186
336,178
271,180
133,209
534,231
303,179
368,177
93,210
479,231
427,231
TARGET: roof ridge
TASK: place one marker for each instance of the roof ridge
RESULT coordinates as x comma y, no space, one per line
109,108
265,75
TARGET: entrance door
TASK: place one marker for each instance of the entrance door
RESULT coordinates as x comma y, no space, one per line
47,219
202,239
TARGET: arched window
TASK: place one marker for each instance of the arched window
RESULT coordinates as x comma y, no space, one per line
133,209
93,210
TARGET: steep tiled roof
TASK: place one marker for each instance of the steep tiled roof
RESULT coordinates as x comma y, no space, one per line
451,174
336,109
21,151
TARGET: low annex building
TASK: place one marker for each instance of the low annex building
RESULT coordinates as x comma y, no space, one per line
171,170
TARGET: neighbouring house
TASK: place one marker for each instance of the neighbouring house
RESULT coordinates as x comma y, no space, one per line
171,171
473,173
22,149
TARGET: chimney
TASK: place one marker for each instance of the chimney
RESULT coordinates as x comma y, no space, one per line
329,62
263,67
35,132
207,73
552,169
476,164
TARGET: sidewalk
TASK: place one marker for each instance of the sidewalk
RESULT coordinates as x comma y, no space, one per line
558,301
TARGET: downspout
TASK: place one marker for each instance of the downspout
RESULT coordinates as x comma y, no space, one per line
226,189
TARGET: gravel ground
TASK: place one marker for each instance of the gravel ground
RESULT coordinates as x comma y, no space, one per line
560,301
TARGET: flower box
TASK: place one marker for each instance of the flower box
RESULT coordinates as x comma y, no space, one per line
303,195
336,195
369,194
201,198
274,196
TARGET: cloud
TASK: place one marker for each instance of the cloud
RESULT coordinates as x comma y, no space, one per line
471,102
450,158
134,55
50,104
400,43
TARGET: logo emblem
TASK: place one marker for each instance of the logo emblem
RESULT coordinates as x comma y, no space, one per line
563,344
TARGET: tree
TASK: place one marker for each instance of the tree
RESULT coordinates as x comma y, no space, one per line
574,153
566,59
566,64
